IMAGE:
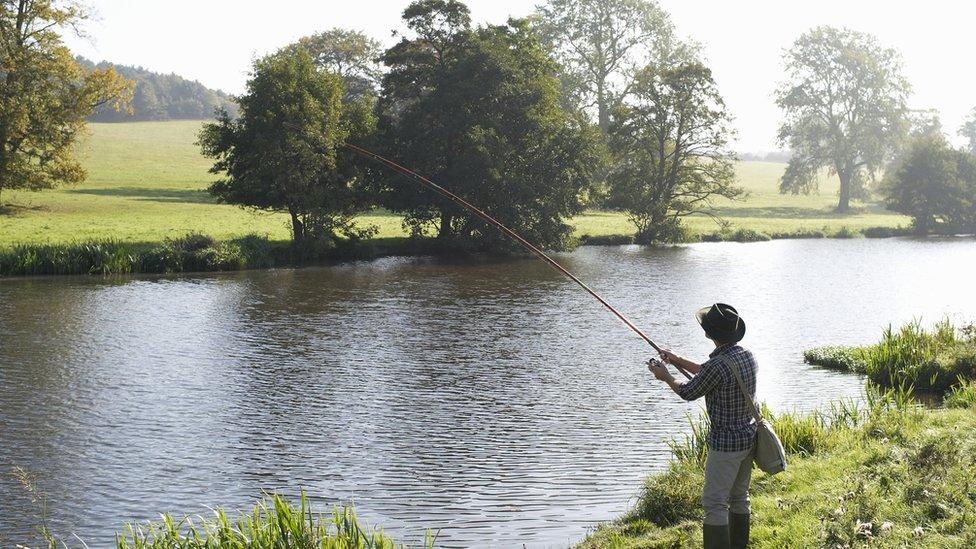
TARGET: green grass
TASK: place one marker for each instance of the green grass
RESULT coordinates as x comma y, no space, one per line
274,523
883,474
927,360
146,183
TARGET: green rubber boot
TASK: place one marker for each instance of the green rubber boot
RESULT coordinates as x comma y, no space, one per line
739,530
715,537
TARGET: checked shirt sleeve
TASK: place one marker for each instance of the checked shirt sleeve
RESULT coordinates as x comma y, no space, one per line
706,381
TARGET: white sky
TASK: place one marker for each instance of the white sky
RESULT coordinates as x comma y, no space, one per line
214,41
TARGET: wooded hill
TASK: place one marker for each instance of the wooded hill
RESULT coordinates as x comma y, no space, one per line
162,96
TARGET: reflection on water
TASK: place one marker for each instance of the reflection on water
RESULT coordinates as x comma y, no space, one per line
490,399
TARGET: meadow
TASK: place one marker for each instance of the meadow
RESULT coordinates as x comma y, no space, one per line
146,183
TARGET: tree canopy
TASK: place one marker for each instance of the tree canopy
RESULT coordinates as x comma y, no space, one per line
670,144
844,103
160,96
603,45
479,111
348,53
45,95
935,184
284,151
968,131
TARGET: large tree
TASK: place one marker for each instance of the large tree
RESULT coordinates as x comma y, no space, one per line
603,45
478,111
45,95
670,144
968,131
844,103
935,184
284,152
351,54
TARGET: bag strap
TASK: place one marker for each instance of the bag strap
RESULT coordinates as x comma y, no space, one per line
742,387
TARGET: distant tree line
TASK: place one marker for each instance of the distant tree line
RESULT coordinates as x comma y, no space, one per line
586,103
160,96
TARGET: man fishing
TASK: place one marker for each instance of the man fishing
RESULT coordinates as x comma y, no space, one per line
731,440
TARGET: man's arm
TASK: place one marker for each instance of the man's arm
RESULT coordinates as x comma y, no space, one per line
681,362
707,380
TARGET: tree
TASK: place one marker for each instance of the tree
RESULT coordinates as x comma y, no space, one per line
478,110
968,131
844,104
284,151
350,54
602,45
671,149
935,184
44,95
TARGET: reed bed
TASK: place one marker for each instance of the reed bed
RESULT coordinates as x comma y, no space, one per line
932,360
273,524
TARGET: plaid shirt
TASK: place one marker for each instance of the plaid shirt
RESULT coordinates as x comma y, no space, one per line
732,426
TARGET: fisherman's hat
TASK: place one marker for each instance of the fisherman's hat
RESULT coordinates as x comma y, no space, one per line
721,322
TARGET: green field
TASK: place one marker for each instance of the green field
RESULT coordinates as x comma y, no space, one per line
146,182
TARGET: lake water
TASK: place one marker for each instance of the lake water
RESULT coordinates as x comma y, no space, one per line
490,399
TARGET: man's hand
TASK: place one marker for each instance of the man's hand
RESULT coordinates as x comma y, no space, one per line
669,357
659,370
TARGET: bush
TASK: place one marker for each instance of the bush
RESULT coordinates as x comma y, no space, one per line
671,497
849,359
846,232
884,232
737,235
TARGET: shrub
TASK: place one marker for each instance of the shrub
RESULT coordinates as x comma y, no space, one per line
846,232
850,359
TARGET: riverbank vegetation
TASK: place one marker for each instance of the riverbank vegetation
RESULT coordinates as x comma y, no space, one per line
912,356
884,472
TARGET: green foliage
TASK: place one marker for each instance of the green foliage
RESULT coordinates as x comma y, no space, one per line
962,395
601,46
350,54
478,111
924,360
191,253
671,497
159,96
274,524
729,234
968,131
844,100
285,153
936,185
45,95
670,148
911,357
849,359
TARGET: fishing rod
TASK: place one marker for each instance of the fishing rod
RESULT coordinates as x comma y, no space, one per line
517,237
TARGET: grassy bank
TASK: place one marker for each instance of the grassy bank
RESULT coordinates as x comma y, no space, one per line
881,473
912,356
147,183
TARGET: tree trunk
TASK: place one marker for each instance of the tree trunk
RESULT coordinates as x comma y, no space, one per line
297,228
444,231
844,206
603,113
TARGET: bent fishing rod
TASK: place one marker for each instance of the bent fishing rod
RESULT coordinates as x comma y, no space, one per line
515,236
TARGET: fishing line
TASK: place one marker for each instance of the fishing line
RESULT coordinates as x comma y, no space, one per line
517,237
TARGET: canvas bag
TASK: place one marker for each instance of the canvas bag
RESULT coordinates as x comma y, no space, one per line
770,456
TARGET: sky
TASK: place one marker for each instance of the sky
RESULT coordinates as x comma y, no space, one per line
215,41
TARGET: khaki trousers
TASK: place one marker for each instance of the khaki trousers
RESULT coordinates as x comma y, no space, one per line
727,476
